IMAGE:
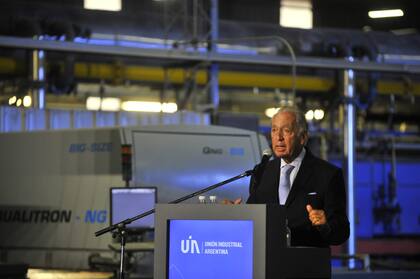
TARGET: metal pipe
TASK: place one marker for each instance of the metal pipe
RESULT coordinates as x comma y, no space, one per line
349,154
214,94
195,20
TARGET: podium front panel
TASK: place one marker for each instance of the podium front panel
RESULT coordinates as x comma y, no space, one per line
195,241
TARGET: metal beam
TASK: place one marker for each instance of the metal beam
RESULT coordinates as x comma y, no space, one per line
270,60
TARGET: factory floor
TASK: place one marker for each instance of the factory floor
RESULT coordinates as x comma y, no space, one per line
336,274
63,274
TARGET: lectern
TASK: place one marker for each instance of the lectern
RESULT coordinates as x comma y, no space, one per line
230,241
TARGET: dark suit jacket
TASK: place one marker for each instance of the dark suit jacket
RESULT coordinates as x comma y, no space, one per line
315,175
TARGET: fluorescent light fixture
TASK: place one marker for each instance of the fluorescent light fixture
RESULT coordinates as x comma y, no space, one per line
149,106
141,106
93,103
270,112
111,104
386,13
104,5
169,107
296,13
105,104
27,101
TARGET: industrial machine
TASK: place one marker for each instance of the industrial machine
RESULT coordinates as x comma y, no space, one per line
55,184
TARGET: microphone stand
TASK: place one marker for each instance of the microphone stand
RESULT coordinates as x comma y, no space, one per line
120,227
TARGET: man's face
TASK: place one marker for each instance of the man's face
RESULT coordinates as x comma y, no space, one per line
285,140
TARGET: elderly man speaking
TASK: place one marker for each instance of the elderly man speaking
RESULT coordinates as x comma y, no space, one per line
296,175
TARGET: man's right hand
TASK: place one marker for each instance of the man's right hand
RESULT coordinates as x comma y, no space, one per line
237,201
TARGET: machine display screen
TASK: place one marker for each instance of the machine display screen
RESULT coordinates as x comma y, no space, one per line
210,249
130,202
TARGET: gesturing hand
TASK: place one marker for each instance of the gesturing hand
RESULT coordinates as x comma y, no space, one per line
316,216
237,201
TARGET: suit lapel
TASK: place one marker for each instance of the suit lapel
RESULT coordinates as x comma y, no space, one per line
303,175
273,181
277,180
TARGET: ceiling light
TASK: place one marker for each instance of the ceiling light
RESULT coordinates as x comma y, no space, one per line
169,107
403,127
386,13
27,101
12,100
149,106
297,14
270,112
93,103
111,104
106,104
319,114
18,102
104,5
309,115
141,106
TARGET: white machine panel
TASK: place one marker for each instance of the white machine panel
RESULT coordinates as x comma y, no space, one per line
186,159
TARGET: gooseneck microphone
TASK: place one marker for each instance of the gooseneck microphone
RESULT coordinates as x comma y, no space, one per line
266,156
258,171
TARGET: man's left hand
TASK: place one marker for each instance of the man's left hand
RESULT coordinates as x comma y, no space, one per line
237,201
316,216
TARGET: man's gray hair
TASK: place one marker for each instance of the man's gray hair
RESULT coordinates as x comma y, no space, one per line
302,125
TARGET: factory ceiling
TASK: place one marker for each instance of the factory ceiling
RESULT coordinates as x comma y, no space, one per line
244,87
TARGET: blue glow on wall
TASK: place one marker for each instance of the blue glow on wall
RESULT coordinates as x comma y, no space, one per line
370,174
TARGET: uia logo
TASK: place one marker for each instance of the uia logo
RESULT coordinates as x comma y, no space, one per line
189,246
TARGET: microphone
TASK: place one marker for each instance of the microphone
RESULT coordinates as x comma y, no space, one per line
266,156
258,171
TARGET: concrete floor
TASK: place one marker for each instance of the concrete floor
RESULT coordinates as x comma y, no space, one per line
63,274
